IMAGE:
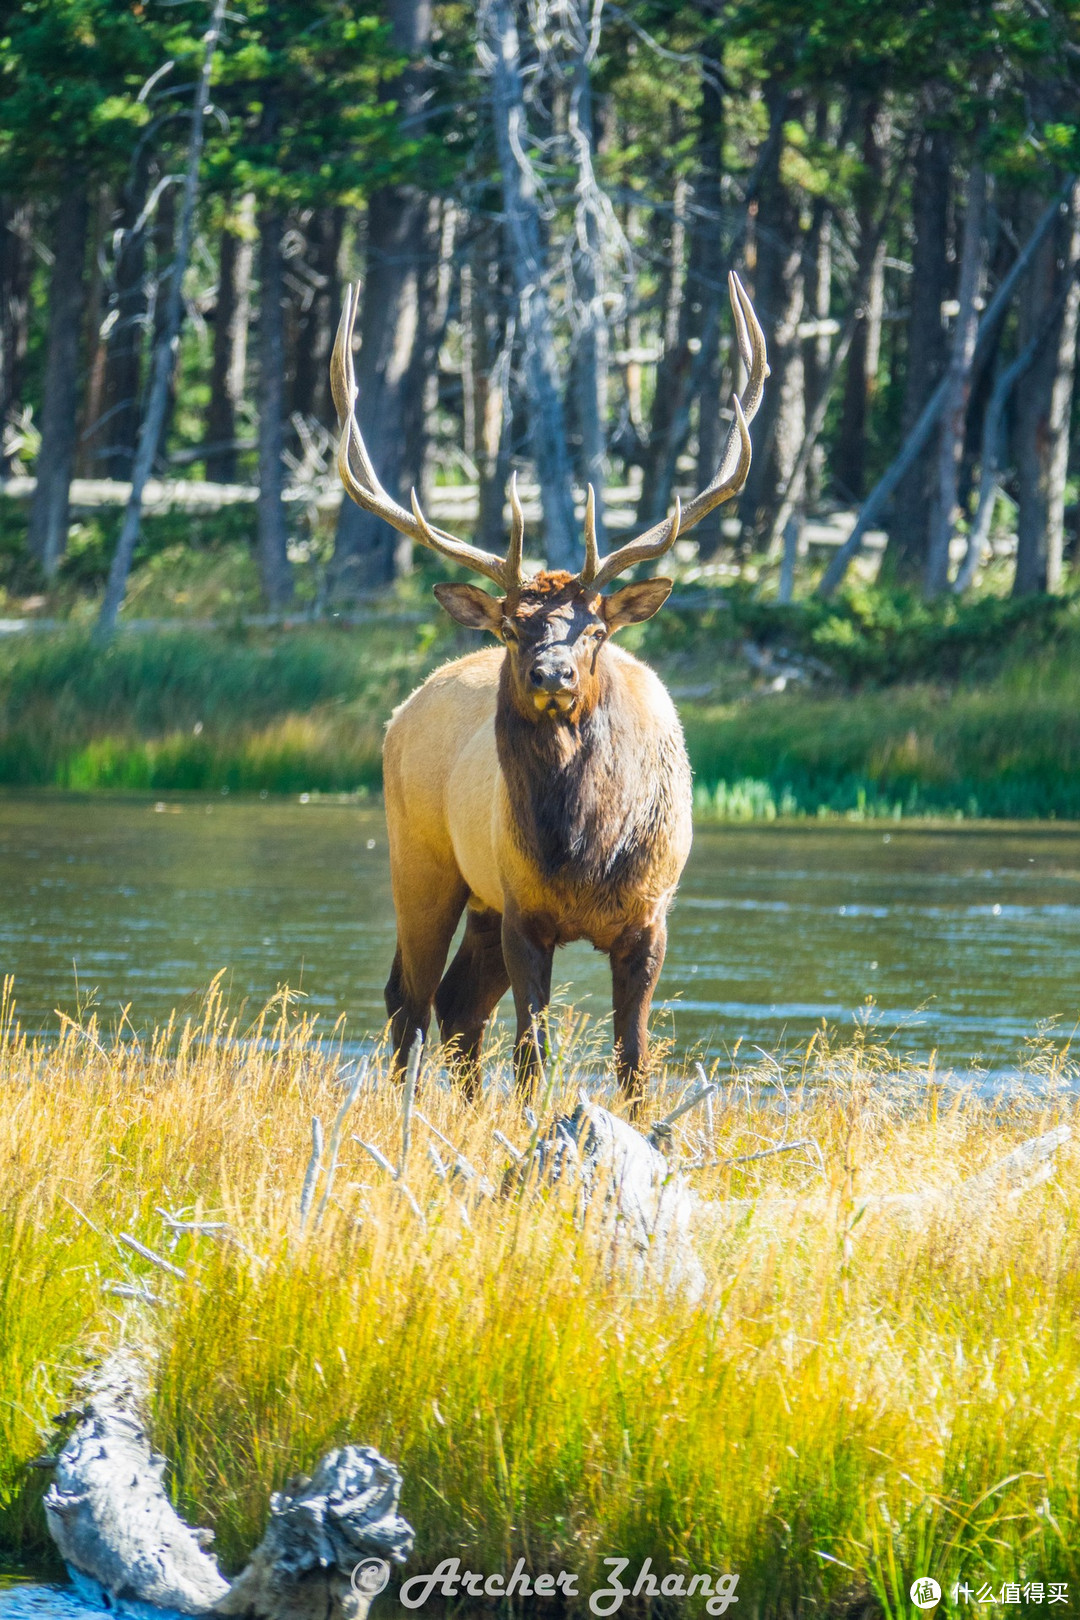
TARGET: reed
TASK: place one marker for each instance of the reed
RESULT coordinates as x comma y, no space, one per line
852,1405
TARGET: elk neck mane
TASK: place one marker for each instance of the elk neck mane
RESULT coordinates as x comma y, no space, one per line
590,797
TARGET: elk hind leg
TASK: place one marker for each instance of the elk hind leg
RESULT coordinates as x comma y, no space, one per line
426,918
470,991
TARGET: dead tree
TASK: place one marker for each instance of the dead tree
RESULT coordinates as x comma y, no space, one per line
524,237
591,351
327,1551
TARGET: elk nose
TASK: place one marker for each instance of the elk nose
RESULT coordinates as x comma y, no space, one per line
555,675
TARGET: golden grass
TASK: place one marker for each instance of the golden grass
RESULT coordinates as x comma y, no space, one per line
854,1403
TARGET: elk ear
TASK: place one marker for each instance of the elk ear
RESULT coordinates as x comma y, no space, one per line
636,602
470,606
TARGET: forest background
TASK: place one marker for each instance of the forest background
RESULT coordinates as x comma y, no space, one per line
542,204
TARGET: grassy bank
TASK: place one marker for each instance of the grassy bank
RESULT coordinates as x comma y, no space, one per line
970,711
854,1403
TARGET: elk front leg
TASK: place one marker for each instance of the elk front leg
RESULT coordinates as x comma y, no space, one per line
636,960
528,947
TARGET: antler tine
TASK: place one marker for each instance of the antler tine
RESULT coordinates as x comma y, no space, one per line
592,556
734,463
362,483
517,537
753,350
645,548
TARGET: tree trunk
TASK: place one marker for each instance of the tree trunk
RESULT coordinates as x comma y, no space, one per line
434,286
390,365
658,461
16,265
1043,407
691,368
97,344
954,415
927,351
274,567
164,358
521,212
164,245
849,458
990,458
591,356
59,415
317,324
112,445
490,343
779,291
229,366
817,349
709,229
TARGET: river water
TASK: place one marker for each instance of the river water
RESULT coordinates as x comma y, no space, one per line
966,938
29,1601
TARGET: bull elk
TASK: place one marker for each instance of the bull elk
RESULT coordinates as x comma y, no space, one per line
541,786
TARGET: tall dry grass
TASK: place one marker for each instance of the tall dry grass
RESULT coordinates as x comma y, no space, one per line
855,1402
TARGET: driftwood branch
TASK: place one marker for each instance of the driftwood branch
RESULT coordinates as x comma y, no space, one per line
653,1219
328,1545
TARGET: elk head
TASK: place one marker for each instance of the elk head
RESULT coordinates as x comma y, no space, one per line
555,624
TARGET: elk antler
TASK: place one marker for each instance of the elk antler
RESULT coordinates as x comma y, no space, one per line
730,476
359,478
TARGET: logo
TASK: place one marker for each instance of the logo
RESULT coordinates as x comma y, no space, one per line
925,1592
369,1577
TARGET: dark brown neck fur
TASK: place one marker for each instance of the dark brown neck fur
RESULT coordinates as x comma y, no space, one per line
589,796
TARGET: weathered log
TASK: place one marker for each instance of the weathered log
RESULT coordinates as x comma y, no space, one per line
326,1553
653,1219
648,1209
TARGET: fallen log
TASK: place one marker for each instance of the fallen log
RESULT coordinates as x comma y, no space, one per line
653,1219
647,1208
327,1551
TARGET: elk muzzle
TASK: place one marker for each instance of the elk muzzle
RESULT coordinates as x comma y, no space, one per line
554,682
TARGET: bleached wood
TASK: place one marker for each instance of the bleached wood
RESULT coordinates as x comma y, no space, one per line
653,1218
128,1550
107,1510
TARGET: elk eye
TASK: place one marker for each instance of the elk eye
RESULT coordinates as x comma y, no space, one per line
509,634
